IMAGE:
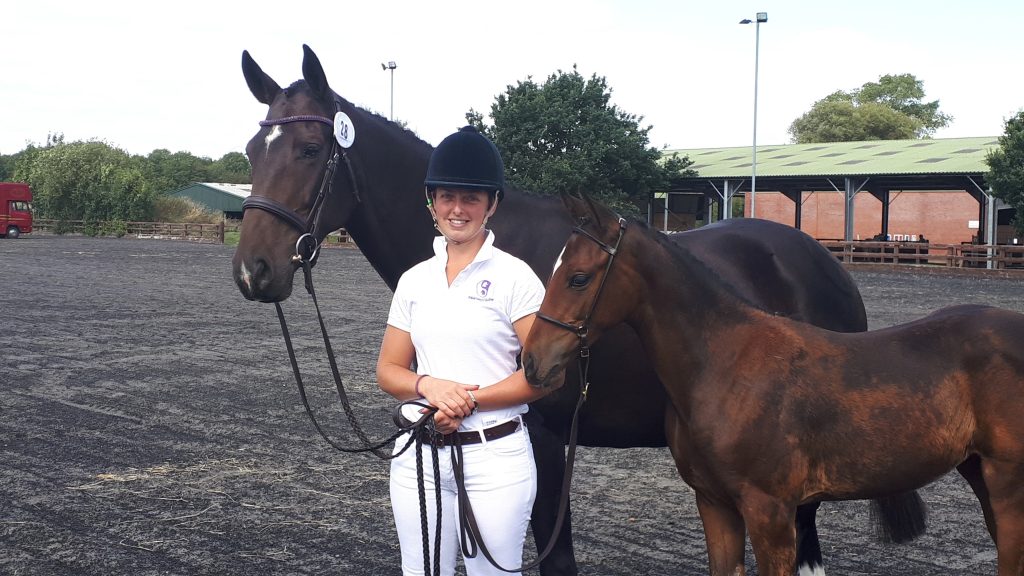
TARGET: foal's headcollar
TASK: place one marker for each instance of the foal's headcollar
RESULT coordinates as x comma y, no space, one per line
583,328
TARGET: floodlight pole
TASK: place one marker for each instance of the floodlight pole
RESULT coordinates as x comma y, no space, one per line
761,17
391,66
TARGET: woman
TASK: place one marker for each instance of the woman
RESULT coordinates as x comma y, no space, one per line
462,315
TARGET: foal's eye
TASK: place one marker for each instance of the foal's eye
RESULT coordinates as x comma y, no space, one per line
311,151
579,281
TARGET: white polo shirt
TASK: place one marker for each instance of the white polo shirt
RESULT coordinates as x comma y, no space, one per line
464,332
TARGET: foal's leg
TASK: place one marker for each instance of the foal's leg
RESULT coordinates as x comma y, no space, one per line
772,529
1005,482
970,469
724,534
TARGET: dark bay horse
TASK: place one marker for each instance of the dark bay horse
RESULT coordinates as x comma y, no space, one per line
376,193
768,414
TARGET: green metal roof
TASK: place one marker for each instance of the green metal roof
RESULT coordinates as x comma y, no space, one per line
216,196
876,157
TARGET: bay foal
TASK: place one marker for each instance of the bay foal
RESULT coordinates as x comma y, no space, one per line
767,414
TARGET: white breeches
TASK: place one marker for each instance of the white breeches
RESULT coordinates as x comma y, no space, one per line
501,479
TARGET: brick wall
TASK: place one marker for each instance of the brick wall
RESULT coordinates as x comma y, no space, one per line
942,217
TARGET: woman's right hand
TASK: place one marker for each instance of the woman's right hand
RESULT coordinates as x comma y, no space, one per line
450,398
445,425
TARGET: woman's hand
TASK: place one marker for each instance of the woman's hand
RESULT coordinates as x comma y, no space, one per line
444,424
450,398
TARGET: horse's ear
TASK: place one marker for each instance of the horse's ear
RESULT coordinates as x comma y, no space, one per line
262,86
576,206
313,72
593,208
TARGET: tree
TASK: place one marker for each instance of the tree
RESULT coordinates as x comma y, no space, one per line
566,136
903,93
233,168
1006,167
890,109
7,162
87,181
166,172
844,121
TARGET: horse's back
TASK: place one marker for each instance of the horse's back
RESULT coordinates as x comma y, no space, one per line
779,269
969,347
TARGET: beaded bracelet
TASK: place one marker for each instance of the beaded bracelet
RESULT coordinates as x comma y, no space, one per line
422,376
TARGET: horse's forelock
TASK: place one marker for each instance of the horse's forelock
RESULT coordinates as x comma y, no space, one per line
298,87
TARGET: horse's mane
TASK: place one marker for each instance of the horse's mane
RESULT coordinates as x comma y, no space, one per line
300,86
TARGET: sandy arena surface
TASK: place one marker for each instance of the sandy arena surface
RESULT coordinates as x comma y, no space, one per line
149,425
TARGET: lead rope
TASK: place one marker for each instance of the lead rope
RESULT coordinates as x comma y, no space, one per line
422,493
470,535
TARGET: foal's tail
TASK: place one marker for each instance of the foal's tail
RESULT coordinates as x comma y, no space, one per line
899,518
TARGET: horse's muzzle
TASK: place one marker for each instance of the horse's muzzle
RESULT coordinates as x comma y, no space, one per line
554,377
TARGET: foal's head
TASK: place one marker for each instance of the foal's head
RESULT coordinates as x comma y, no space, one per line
592,288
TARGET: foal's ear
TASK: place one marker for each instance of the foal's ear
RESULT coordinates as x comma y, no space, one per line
262,86
593,208
313,72
576,206
571,204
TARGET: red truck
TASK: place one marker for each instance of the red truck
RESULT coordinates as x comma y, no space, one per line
15,209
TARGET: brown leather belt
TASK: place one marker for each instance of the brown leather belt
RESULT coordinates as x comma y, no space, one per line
471,437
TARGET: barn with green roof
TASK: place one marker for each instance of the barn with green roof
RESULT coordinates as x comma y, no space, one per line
217,197
882,169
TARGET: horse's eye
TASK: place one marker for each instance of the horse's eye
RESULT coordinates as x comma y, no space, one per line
311,151
579,281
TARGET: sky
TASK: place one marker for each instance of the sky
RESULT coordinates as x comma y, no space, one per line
143,76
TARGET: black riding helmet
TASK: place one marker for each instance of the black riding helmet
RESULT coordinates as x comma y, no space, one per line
466,160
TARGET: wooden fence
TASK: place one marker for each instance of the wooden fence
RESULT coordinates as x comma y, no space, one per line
998,256
164,230
195,232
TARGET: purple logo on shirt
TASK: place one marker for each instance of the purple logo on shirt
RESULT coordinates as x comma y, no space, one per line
482,287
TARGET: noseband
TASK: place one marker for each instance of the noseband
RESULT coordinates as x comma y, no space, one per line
307,247
583,328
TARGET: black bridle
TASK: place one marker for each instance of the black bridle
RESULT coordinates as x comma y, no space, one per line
307,247
582,329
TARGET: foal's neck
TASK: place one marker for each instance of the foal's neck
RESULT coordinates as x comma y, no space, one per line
684,309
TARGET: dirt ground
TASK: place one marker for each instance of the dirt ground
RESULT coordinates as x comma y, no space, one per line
149,425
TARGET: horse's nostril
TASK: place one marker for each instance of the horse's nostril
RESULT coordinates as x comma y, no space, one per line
530,371
261,274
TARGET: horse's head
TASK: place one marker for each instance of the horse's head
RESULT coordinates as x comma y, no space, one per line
293,191
585,295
